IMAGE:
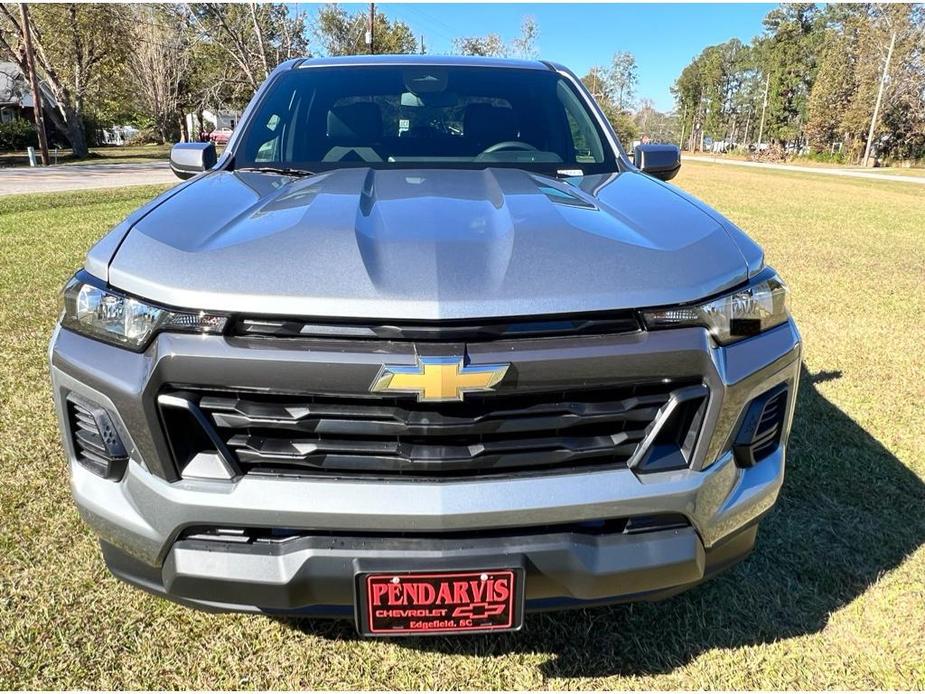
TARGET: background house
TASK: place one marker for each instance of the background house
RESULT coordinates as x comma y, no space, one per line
208,120
15,94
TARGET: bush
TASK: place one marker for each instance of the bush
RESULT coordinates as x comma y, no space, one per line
825,157
17,135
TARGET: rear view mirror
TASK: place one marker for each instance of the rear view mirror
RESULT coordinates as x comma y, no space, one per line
660,161
190,158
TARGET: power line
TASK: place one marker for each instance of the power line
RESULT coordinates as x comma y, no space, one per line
431,28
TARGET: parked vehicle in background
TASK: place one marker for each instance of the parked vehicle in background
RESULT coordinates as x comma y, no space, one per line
220,136
119,135
424,349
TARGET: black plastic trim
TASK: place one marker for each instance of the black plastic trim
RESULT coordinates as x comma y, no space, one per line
761,428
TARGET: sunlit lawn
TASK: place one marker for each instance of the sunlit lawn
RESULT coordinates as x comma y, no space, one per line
833,597
98,155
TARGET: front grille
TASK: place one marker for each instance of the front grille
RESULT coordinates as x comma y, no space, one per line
389,436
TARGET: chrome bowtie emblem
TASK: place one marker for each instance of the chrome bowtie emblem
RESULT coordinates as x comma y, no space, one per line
436,379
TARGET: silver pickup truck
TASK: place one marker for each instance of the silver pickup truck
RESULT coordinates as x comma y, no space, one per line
424,348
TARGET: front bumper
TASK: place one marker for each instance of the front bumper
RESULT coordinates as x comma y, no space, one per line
317,576
141,517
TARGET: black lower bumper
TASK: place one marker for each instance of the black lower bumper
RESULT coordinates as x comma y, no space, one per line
316,575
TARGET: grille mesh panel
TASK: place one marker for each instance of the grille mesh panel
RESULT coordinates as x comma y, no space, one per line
382,436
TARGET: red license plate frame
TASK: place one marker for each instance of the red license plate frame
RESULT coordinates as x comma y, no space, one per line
400,603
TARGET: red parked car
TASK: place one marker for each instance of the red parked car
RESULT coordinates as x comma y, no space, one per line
220,136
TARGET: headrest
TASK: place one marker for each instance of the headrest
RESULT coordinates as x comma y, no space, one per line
489,124
361,120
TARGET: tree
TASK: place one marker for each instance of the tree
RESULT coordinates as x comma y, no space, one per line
823,70
77,47
342,33
524,46
488,45
660,127
896,39
836,80
596,82
622,79
788,55
158,63
607,92
688,94
493,45
902,123
622,123
852,67
252,38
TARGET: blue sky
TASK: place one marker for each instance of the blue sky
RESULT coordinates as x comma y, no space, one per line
663,37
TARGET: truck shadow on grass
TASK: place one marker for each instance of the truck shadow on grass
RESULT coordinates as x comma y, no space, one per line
849,512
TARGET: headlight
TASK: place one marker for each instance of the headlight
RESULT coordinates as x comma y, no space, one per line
742,313
92,309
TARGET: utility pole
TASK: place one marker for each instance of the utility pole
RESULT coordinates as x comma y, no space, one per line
764,106
422,45
371,35
883,78
34,79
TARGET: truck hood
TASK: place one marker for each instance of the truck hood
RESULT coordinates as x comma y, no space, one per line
425,244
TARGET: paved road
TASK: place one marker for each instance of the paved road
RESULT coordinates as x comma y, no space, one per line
826,171
83,176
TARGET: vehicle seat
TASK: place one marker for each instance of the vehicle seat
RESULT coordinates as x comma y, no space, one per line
352,130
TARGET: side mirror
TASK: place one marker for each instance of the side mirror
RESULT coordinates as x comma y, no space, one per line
660,161
190,158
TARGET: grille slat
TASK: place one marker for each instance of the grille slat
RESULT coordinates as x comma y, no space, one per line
498,433
90,439
385,421
394,455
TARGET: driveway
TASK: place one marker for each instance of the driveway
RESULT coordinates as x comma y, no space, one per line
826,171
83,176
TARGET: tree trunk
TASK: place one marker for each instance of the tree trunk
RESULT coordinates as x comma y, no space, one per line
76,136
74,130
70,125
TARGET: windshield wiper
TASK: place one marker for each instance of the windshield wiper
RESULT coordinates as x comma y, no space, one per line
282,170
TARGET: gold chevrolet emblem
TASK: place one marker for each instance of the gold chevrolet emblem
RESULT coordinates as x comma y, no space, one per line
435,379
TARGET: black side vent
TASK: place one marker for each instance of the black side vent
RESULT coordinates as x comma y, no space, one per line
760,432
670,438
96,442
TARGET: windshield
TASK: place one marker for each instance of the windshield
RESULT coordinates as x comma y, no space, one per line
413,116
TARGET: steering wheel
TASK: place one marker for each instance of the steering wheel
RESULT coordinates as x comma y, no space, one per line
509,144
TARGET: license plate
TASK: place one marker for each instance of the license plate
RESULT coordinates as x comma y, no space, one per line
440,602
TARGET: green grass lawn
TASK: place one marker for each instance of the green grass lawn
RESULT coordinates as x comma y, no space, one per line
834,595
98,155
